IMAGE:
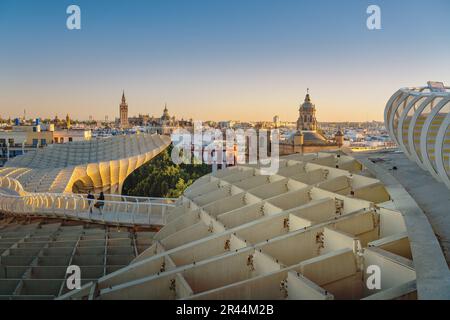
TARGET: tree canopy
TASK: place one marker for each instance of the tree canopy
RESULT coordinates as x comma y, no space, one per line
160,177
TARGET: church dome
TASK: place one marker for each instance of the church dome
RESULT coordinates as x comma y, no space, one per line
310,138
165,115
314,138
307,105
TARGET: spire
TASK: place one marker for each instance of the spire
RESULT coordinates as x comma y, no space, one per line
165,115
307,98
123,97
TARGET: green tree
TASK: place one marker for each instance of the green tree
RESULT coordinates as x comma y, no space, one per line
160,177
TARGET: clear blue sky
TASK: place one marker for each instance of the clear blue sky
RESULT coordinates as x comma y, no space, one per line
217,59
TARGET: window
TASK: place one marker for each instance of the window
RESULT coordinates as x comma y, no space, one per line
70,139
35,142
43,142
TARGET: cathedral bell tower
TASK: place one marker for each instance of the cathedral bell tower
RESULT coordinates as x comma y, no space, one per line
123,112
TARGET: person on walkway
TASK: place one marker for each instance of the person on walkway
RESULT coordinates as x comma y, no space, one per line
100,202
90,198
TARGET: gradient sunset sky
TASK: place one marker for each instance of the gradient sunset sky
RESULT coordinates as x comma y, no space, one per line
217,59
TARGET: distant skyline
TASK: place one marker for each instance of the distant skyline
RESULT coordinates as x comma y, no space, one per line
215,59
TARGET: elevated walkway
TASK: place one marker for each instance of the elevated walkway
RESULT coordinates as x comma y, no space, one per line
117,210
50,182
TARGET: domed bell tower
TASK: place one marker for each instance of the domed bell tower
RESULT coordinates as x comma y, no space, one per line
307,115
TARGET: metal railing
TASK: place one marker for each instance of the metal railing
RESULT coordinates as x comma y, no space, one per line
115,209
119,197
